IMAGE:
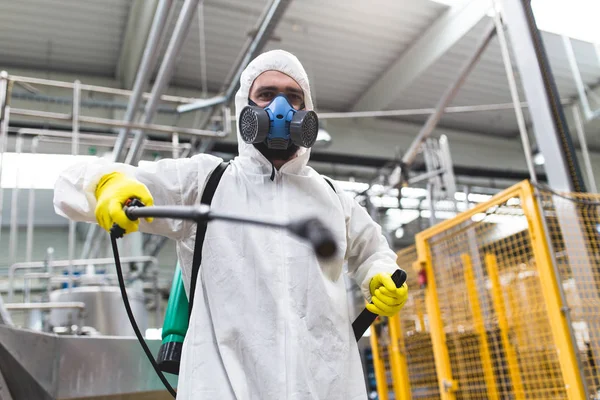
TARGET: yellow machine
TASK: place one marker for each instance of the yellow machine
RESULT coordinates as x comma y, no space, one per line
510,308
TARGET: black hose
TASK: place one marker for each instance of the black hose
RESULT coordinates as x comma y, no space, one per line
136,329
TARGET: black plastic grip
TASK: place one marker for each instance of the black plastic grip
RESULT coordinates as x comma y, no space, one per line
132,203
366,317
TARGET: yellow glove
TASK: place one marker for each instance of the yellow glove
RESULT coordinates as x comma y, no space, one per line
112,192
386,299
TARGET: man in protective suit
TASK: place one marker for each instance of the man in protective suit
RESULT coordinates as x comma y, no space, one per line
270,320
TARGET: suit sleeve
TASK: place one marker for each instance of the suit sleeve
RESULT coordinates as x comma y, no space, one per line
368,252
170,181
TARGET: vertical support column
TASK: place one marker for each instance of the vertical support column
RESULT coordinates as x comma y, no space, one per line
447,385
479,325
14,206
559,319
547,115
509,350
378,367
31,208
398,360
562,168
3,146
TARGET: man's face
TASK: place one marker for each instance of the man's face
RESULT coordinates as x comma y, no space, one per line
270,83
264,89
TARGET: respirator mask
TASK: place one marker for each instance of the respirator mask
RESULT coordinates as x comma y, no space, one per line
279,126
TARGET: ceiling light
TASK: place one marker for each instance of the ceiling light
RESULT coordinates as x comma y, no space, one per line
323,139
399,233
538,159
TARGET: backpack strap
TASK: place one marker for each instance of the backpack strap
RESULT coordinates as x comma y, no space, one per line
330,184
207,196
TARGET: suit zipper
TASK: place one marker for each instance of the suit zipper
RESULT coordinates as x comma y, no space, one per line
278,178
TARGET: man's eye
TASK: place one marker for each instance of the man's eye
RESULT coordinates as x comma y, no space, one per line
265,95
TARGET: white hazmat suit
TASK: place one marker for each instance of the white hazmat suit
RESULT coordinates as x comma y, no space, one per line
270,320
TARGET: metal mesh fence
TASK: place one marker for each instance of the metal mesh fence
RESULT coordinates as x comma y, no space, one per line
415,334
412,374
574,226
499,341
511,308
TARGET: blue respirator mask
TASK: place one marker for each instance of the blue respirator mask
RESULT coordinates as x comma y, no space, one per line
278,125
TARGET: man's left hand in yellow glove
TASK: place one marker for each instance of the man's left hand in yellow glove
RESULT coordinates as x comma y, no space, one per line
386,298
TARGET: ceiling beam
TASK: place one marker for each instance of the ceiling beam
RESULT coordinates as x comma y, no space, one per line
445,32
138,27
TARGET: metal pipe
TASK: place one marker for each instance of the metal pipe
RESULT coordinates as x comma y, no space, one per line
448,96
141,79
46,306
202,103
577,77
41,114
89,241
414,111
14,206
430,200
96,139
165,71
587,161
3,92
74,152
99,89
425,176
26,291
202,41
419,111
266,25
156,292
89,103
75,117
65,263
49,270
5,113
153,145
514,94
30,208
77,305
188,132
174,144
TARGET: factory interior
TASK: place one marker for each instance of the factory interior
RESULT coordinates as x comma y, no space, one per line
468,130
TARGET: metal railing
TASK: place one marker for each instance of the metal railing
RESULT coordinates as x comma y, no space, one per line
49,266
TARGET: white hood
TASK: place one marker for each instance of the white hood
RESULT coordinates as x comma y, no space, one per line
275,60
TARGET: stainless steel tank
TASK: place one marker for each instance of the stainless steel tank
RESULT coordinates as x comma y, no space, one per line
104,309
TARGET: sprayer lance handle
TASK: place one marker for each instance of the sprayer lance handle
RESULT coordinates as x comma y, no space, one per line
366,317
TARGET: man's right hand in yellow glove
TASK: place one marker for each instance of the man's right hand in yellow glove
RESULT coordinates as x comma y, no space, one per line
112,193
